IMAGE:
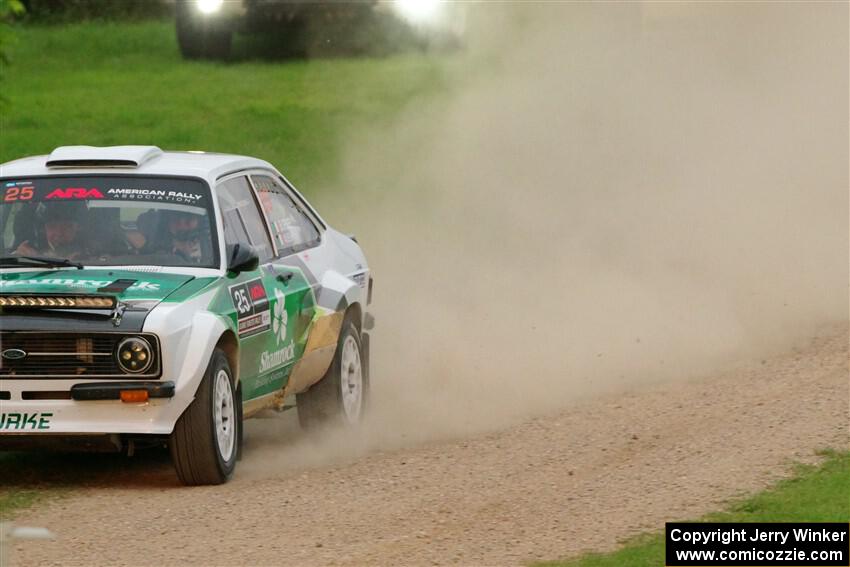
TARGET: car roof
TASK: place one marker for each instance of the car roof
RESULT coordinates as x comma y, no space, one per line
130,160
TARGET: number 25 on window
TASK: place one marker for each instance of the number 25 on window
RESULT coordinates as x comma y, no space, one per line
18,194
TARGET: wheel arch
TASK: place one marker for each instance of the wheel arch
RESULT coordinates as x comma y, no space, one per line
228,343
356,312
341,293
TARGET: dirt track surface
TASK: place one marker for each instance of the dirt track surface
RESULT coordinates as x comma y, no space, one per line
548,488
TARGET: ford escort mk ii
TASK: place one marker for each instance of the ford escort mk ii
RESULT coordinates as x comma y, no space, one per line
163,297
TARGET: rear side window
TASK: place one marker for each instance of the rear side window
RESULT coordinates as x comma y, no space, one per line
291,229
241,219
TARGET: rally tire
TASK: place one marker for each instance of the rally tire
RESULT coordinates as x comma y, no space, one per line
205,443
340,397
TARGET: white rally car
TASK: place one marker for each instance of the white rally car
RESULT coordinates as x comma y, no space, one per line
166,296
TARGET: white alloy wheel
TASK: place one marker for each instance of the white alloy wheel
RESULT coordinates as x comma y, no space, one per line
224,414
205,442
351,380
341,397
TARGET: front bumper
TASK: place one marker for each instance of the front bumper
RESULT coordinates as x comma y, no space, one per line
89,443
188,334
112,390
100,412
155,416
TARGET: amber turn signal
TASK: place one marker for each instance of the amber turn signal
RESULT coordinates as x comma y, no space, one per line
134,396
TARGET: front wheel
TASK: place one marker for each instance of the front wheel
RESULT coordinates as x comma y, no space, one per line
205,442
340,396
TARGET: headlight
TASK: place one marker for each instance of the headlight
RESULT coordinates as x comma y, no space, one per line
210,6
419,12
134,355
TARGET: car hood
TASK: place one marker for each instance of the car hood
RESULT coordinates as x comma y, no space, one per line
138,292
137,286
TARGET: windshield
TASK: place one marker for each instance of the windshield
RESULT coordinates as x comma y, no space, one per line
109,220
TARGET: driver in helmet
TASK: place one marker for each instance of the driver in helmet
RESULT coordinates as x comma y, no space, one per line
60,235
185,232
181,236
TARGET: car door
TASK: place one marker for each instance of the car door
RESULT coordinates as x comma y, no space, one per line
267,302
294,237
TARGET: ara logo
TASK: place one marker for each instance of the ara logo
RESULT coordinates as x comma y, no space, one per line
281,318
75,193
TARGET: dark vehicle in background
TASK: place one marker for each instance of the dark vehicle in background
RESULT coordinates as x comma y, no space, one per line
205,28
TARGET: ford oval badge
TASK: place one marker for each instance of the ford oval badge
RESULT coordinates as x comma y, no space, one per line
14,354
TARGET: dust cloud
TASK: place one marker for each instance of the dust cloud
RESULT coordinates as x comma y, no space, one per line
602,197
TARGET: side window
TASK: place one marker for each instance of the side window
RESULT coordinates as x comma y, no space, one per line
241,219
291,229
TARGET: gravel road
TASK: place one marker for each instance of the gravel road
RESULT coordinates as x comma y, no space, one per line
550,487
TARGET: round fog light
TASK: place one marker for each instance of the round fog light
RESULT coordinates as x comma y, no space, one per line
134,355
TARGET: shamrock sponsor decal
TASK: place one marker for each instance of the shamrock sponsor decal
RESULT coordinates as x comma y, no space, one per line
280,317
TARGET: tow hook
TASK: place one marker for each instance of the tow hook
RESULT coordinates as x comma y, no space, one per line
117,313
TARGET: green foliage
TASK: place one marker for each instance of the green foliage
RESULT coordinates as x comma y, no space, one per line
125,83
9,9
814,494
61,11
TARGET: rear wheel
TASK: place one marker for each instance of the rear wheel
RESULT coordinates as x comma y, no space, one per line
205,443
201,37
340,396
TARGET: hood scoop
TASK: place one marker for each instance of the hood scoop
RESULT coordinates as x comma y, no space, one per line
113,156
118,286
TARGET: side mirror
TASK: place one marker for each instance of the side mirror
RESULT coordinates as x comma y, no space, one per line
241,258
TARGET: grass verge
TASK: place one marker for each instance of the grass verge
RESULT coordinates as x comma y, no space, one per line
814,494
30,477
12,501
125,83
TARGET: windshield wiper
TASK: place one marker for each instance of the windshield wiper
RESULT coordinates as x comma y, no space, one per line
35,261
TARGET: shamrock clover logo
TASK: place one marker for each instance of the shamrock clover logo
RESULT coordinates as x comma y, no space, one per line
280,316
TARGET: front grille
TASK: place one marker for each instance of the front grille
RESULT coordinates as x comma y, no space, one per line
67,355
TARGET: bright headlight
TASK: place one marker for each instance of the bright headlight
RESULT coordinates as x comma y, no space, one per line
210,6
134,355
418,11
